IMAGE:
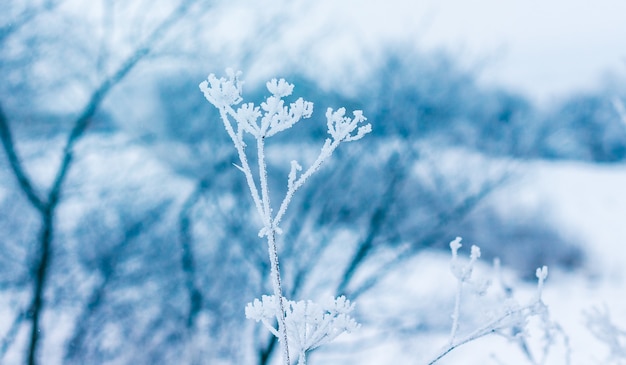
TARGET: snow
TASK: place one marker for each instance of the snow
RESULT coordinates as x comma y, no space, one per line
589,202
586,201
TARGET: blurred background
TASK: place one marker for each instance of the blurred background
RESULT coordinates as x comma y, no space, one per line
128,237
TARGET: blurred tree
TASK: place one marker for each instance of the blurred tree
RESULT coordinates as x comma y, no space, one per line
46,202
584,127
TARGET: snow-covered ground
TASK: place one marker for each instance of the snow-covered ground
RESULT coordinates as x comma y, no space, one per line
588,203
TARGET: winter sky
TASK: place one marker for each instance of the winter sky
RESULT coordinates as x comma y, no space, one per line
543,49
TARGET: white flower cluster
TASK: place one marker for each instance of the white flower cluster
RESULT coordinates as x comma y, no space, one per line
223,92
276,117
309,324
341,127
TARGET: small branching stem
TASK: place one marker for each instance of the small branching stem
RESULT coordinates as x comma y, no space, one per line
224,94
327,150
492,326
239,146
270,231
456,313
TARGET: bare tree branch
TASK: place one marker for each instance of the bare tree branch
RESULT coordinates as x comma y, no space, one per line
187,257
11,334
435,234
20,174
47,207
26,17
107,269
377,219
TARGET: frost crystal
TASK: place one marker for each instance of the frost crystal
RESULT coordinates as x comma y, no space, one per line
340,127
223,92
279,88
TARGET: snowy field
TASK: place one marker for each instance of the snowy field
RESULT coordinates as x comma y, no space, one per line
588,202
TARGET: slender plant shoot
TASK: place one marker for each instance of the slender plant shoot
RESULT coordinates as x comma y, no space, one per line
305,324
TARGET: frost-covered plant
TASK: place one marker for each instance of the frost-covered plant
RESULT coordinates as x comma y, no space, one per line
508,320
275,117
602,327
309,325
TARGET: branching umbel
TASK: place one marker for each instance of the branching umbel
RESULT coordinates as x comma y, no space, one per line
275,117
309,325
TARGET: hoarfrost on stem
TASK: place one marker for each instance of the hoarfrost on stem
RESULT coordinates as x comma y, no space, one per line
275,116
508,318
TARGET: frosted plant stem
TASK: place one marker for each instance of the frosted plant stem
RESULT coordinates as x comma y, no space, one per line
278,293
270,231
455,314
302,358
327,150
245,167
492,326
265,194
224,93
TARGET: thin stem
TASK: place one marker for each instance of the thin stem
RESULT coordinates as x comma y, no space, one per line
491,327
24,181
455,314
265,193
245,166
326,152
302,358
278,293
11,334
270,231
